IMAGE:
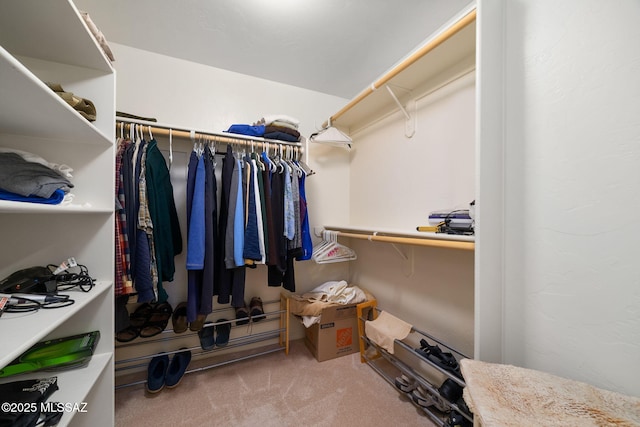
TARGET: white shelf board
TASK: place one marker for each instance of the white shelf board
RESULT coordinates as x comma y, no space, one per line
20,331
52,30
39,208
399,232
35,110
74,385
425,74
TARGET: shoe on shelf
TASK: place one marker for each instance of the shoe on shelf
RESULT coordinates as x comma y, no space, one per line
222,333
156,373
206,336
450,390
179,318
158,320
256,309
177,367
128,334
140,315
444,360
405,384
196,325
422,398
242,314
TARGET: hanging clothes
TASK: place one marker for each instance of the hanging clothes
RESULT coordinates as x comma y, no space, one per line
222,285
211,224
148,234
195,240
259,217
251,250
201,226
305,232
162,209
122,279
147,270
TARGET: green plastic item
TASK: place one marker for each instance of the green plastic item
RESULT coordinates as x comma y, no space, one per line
60,353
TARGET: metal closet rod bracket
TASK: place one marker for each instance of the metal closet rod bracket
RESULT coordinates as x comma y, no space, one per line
407,258
409,123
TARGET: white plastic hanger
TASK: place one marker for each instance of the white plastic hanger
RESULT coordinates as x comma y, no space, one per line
332,136
330,251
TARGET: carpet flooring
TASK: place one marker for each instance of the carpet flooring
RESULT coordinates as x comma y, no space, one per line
273,390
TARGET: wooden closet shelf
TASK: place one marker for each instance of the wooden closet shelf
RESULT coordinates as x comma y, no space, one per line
451,50
186,133
440,240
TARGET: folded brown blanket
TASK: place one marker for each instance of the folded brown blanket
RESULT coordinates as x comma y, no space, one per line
287,130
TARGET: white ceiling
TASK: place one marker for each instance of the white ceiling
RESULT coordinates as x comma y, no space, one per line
336,47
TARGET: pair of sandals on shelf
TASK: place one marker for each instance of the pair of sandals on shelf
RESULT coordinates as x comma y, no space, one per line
149,320
180,322
146,321
449,391
444,360
254,312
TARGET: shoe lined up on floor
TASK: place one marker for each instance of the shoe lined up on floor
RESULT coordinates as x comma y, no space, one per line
179,318
206,335
425,399
222,332
157,321
146,321
254,312
405,384
214,334
197,324
242,314
444,360
163,371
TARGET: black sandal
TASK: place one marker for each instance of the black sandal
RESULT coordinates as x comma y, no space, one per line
158,320
140,315
444,360
127,334
137,319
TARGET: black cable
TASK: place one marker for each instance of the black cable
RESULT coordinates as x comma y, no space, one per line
69,279
445,225
73,277
28,304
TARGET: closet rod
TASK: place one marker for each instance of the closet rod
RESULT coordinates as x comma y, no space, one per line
415,241
163,129
431,45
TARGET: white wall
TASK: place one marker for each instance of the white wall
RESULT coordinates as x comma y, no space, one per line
187,94
395,183
572,294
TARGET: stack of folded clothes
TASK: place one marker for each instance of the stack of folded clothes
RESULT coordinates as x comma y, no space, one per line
25,177
274,126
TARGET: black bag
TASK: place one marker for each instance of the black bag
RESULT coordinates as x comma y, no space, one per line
22,401
29,280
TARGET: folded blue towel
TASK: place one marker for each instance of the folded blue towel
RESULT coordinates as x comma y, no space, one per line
247,129
55,199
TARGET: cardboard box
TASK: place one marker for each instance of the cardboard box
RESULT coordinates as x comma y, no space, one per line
336,335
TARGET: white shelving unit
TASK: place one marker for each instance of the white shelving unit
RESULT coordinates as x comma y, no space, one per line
48,41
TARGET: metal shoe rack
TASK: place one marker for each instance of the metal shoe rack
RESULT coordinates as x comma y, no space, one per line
241,337
415,366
